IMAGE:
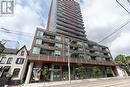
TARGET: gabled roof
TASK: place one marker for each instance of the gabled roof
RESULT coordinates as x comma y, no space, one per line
13,51
22,48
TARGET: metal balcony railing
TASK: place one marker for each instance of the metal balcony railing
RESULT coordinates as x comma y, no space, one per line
47,58
69,26
74,20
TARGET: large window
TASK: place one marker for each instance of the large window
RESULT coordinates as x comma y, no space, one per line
58,38
19,60
36,50
66,40
3,60
57,45
38,41
57,53
39,33
16,72
9,61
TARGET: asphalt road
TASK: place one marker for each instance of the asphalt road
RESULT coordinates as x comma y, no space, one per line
115,82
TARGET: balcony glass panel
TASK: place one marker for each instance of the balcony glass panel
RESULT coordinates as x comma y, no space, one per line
58,45
57,53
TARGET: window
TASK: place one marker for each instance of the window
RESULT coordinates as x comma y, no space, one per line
65,47
58,38
57,53
66,55
19,60
66,40
57,45
9,61
79,43
16,72
39,33
22,53
93,57
88,57
80,49
86,45
36,50
99,58
3,60
38,41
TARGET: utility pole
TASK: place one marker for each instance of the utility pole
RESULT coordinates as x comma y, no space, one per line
69,62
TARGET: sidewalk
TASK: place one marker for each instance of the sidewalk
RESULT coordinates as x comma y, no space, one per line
43,84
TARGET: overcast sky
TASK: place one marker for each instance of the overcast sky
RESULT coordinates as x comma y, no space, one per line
101,18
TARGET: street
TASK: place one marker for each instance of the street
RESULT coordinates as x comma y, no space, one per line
124,82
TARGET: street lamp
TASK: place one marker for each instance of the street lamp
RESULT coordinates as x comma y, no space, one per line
69,61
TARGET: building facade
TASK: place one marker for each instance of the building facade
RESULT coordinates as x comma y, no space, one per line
13,62
65,38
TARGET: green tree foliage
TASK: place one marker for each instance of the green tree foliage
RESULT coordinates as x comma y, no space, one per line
45,72
96,72
81,72
122,62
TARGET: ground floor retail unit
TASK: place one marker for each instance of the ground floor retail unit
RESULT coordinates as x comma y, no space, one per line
59,71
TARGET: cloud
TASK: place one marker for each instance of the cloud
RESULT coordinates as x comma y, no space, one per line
28,15
101,18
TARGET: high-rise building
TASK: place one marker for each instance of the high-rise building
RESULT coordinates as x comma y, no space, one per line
65,38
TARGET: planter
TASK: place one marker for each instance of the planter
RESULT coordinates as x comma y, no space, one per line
4,81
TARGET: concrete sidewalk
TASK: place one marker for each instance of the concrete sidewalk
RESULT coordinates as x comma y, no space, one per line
43,84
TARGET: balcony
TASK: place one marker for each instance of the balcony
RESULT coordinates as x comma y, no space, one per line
70,26
60,59
45,47
70,18
48,40
69,30
70,22
71,35
75,21
71,13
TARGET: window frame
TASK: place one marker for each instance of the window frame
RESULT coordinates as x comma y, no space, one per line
3,59
17,75
9,61
19,61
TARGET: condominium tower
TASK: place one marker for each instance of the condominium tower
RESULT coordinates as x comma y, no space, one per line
63,38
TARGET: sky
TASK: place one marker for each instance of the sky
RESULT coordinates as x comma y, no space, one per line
101,18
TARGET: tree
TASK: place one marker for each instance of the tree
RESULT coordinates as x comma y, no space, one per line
1,48
122,62
96,72
45,72
81,72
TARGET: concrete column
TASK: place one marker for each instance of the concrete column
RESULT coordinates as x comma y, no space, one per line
52,73
61,72
73,72
29,73
104,71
